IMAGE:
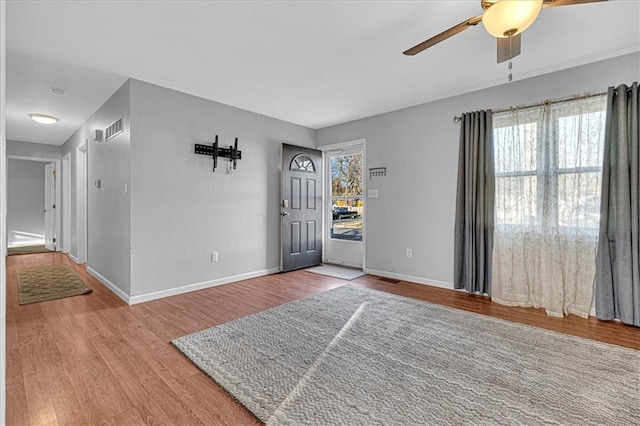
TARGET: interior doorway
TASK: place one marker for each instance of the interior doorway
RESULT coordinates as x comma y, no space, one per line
345,209
33,196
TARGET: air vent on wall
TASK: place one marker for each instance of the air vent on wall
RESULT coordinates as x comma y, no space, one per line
113,129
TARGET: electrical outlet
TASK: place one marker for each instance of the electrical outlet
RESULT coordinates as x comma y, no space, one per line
409,253
214,256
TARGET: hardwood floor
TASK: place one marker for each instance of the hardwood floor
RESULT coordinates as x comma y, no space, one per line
92,359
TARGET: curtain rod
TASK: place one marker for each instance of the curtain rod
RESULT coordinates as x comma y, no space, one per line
457,118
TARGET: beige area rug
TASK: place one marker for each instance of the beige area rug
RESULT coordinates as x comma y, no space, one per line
48,283
337,272
13,251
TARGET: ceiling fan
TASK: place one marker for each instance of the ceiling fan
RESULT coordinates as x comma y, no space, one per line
503,19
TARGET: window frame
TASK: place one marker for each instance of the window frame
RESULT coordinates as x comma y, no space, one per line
547,172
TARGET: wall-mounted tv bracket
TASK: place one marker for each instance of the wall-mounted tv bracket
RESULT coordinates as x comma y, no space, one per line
215,152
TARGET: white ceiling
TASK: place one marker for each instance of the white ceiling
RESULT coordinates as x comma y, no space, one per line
314,63
29,82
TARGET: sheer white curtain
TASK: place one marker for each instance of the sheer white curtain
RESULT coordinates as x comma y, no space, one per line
548,165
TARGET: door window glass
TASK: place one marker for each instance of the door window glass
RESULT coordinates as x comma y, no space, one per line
346,197
302,163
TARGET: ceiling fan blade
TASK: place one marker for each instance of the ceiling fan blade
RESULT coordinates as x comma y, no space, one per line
508,50
554,3
443,35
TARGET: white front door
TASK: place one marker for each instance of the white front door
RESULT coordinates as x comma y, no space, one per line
50,206
344,208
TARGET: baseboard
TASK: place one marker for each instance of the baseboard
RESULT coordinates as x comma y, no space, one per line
111,286
73,258
147,297
409,278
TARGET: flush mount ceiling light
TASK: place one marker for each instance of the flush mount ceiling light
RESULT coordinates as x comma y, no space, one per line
44,119
510,17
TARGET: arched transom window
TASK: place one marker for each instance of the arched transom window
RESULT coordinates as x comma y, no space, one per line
302,163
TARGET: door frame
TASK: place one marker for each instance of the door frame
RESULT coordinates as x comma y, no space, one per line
57,162
326,151
82,203
66,203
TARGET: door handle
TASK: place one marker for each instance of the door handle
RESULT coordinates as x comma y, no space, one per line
285,213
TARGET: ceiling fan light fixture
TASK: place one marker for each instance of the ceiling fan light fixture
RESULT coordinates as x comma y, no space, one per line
44,119
510,17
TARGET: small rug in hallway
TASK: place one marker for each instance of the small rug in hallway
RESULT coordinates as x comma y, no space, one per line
13,251
337,272
357,356
48,283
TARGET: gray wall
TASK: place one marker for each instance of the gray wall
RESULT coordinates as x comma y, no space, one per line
25,201
419,147
181,211
28,149
108,206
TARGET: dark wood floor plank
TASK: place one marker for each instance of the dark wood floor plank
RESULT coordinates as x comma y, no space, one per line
92,359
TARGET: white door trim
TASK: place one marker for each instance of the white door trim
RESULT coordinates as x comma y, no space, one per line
3,211
341,145
57,162
51,208
326,151
38,159
66,203
81,204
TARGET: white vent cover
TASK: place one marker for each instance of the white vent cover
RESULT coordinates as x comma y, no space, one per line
113,129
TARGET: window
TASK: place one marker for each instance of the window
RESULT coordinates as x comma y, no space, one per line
302,163
548,166
346,196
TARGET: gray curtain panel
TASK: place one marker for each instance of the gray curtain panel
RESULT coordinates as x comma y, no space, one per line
618,259
474,204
